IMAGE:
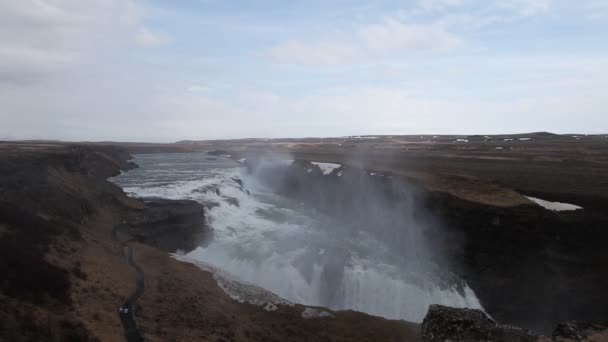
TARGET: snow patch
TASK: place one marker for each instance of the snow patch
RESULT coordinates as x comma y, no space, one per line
225,155
315,313
326,168
372,173
462,140
555,206
525,139
242,160
508,139
340,173
498,148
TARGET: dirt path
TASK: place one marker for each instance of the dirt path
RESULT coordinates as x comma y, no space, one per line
132,334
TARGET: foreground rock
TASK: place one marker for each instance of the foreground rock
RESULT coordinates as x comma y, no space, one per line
444,323
580,331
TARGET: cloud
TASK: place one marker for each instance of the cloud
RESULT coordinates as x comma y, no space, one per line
149,38
597,9
45,37
524,7
439,5
369,41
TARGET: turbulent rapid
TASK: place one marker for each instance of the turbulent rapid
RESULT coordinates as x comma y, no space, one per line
292,249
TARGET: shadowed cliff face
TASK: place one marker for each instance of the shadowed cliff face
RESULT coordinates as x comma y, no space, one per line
529,266
46,193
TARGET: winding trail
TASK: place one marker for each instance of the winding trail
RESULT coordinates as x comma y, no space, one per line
132,334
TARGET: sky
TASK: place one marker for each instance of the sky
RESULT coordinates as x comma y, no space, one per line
161,71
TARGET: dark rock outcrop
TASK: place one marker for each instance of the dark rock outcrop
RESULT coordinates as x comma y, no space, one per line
529,266
170,225
444,323
580,331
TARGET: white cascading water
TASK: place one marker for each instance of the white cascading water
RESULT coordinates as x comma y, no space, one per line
290,249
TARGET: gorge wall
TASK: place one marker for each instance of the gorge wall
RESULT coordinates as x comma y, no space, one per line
529,266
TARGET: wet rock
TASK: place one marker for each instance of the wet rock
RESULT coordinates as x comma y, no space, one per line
232,201
443,323
238,181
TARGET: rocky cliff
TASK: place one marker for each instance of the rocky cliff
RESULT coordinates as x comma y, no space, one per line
529,266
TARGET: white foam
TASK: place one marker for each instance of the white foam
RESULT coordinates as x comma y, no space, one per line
315,313
326,168
555,206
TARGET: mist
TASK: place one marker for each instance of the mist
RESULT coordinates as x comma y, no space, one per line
355,241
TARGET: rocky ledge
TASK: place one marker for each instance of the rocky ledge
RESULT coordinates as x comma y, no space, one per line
444,323
171,225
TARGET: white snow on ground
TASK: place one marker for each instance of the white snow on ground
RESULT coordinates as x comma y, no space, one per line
315,313
555,206
372,173
327,168
525,139
242,160
508,139
487,137
498,148
360,137
225,155
462,140
340,173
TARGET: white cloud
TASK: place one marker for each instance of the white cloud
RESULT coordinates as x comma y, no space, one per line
439,5
393,35
597,9
524,7
369,41
148,38
44,37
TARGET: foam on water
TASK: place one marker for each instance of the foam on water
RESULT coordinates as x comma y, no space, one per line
289,249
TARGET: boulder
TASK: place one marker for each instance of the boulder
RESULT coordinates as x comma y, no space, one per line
443,323
580,331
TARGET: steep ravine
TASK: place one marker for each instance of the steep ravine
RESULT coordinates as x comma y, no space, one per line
529,266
